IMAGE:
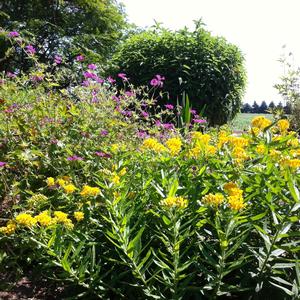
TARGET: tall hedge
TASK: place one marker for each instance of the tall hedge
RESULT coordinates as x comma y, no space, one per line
208,68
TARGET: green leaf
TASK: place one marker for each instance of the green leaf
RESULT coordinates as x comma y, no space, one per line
135,245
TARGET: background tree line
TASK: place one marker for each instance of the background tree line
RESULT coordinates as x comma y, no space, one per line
265,108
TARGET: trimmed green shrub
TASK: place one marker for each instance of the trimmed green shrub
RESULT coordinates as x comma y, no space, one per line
208,68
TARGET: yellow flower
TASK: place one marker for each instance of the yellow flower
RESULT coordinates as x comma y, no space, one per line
261,149
116,179
123,172
10,228
178,202
275,154
293,163
239,153
238,141
154,145
236,202
213,199
283,125
261,122
222,138
174,146
194,152
78,215
229,186
254,130
61,217
25,220
200,137
69,188
293,142
44,219
211,149
61,182
89,191
50,181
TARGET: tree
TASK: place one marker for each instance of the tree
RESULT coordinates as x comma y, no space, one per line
255,108
246,108
271,106
279,106
60,27
263,107
207,68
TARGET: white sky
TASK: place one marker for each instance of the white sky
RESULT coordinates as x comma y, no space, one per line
258,27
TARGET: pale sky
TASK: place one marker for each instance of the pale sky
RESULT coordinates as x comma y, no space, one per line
258,27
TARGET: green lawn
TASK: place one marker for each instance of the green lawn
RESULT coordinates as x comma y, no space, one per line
242,121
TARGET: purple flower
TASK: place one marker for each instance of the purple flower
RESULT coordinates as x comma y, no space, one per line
58,59
199,121
157,81
80,57
92,67
110,80
30,49
157,123
116,98
169,106
142,134
37,78
168,126
3,163
85,83
104,132
11,75
123,76
103,154
13,34
90,75
144,114
99,80
193,111
129,93
74,158
126,113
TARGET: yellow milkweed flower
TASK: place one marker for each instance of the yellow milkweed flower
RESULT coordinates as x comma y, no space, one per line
239,153
78,215
25,220
200,137
174,146
154,145
236,202
211,149
69,188
261,149
236,141
293,163
275,154
229,186
213,199
178,202
10,228
116,179
123,172
194,152
222,138
44,219
254,130
293,142
283,125
61,217
261,122
50,181
89,191
61,182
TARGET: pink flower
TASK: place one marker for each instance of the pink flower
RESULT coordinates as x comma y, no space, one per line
80,57
3,164
11,75
169,106
199,121
90,75
92,67
103,154
157,81
30,49
144,114
74,158
13,34
58,59
103,132
123,76
110,80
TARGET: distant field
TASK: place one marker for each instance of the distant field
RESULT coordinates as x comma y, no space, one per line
242,121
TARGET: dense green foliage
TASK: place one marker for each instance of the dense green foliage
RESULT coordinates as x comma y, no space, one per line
208,68
60,27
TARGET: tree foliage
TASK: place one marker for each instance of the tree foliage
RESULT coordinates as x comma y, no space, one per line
61,27
209,69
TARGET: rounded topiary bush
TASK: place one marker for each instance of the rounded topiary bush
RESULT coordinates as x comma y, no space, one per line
208,68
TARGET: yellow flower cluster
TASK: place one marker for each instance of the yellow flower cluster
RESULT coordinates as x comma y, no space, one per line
235,198
62,218
201,145
261,149
69,188
64,183
178,202
174,146
154,145
78,215
213,199
222,138
200,137
88,191
261,123
236,141
44,219
283,125
239,154
10,228
25,220
292,163
50,181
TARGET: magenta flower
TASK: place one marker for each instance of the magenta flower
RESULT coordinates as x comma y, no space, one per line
3,164
104,132
142,134
169,106
90,75
110,80
80,57
123,76
13,34
103,154
144,114
30,49
92,67
129,93
74,158
168,126
58,59
11,75
99,80
199,121
157,81
193,111
85,83
37,78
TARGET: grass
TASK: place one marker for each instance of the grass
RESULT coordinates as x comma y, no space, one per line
242,120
